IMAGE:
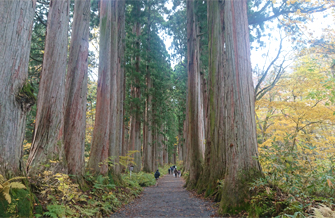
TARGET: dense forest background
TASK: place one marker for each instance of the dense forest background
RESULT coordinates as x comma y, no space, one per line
89,90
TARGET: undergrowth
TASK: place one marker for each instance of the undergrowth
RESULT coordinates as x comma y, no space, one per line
294,182
61,197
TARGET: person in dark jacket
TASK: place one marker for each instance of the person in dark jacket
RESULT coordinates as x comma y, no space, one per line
157,174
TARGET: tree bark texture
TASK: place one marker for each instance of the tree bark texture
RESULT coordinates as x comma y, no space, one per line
161,147
76,90
239,110
185,155
121,72
114,124
194,113
180,149
165,151
214,164
135,133
46,143
116,83
16,21
100,142
147,126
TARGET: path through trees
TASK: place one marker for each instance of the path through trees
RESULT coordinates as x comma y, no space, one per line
169,199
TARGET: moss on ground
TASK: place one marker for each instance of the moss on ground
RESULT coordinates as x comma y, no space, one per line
22,205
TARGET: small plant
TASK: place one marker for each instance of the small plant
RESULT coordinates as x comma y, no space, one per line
55,211
323,211
6,185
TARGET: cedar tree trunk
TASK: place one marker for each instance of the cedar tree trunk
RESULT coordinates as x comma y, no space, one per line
47,145
194,113
16,21
242,165
76,90
100,141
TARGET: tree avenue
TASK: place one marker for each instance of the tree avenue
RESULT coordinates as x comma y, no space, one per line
114,104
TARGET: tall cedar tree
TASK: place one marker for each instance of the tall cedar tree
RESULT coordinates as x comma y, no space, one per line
135,119
47,142
117,84
194,112
76,90
100,141
239,131
147,126
214,164
16,20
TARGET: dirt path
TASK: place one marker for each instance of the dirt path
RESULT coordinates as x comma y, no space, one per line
168,199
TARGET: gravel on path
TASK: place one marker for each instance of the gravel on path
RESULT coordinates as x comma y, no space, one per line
168,199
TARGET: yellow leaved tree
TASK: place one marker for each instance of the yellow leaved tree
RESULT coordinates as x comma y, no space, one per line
297,115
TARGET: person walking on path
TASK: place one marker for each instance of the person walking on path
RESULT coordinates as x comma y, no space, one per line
157,174
175,172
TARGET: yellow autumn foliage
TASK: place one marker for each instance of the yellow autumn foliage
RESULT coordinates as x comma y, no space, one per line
298,113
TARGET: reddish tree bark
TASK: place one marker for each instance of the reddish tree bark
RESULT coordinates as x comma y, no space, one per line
114,130
100,142
135,129
117,89
46,144
241,152
214,164
76,90
194,102
16,20
147,126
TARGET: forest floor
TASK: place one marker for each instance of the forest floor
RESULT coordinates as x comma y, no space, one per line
169,199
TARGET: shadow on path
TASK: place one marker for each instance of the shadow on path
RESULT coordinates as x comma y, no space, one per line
169,199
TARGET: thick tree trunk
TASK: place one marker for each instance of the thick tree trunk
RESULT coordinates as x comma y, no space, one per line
214,164
116,89
154,145
180,149
76,90
100,141
147,154
135,134
147,127
16,20
165,151
240,129
161,147
117,78
194,113
121,71
46,144
185,149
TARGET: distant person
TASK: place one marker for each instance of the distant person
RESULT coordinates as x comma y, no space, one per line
169,170
179,173
172,169
157,174
176,172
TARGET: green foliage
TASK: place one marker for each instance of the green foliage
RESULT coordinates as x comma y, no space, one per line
21,204
7,185
62,197
141,179
55,211
291,186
